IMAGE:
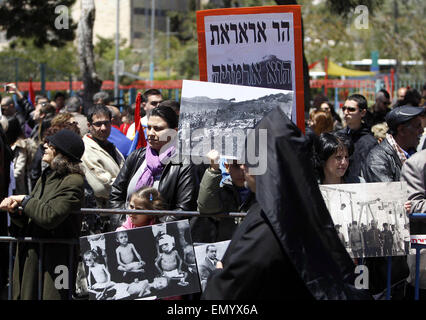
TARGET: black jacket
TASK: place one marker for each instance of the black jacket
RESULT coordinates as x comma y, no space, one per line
382,164
375,117
363,141
291,230
253,269
177,183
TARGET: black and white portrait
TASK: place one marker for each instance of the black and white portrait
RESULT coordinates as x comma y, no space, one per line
143,263
369,218
207,256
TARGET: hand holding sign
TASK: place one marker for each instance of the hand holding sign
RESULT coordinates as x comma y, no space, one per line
214,157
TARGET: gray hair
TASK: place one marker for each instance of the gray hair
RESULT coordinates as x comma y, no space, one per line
73,104
101,95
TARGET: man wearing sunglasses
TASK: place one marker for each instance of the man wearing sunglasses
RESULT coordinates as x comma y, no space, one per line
150,99
101,159
354,110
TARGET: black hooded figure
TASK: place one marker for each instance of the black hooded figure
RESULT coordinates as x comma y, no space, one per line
287,246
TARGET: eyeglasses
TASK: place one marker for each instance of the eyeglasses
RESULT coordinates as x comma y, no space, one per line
155,103
350,109
99,124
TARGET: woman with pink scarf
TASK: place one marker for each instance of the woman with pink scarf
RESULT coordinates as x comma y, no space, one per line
152,167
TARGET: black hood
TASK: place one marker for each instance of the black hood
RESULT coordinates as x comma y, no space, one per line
292,204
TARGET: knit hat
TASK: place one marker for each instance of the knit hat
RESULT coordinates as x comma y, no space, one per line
402,114
68,143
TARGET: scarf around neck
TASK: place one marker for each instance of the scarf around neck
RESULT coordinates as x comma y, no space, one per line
154,165
396,147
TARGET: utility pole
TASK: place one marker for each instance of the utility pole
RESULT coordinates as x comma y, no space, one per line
117,52
151,65
396,30
168,44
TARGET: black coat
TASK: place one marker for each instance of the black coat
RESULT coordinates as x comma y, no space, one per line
382,164
375,117
363,141
255,270
177,183
291,231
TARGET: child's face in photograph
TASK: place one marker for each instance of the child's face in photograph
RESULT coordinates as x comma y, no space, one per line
166,248
159,283
90,261
123,238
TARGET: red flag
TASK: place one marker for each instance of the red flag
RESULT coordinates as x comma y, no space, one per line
31,93
138,127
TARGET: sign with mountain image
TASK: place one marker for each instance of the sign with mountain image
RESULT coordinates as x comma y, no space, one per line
217,116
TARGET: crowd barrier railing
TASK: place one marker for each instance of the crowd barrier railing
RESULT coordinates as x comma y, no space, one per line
74,242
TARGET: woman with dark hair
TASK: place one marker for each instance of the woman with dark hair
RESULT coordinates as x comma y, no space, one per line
327,106
46,214
36,163
333,159
151,166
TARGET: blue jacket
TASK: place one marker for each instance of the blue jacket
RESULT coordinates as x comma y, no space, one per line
120,140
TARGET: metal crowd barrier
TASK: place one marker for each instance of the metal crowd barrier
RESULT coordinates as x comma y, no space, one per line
74,242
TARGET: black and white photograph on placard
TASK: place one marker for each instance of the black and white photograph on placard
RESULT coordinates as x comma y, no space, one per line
369,218
150,262
217,116
207,256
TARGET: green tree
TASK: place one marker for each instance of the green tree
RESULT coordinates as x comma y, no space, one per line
36,19
24,57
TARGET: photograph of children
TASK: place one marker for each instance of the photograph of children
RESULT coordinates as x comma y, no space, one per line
369,218
212,112
150,262
207,256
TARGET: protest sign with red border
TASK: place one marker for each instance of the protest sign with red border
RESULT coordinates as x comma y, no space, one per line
255,46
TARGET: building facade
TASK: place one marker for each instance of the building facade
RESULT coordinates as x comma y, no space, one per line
134,20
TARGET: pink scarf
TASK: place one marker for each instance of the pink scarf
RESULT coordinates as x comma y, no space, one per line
154,166
129,225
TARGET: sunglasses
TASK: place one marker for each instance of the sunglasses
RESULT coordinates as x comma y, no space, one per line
350,109
99,124
155,103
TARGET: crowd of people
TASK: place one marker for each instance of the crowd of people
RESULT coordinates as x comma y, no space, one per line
56,158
